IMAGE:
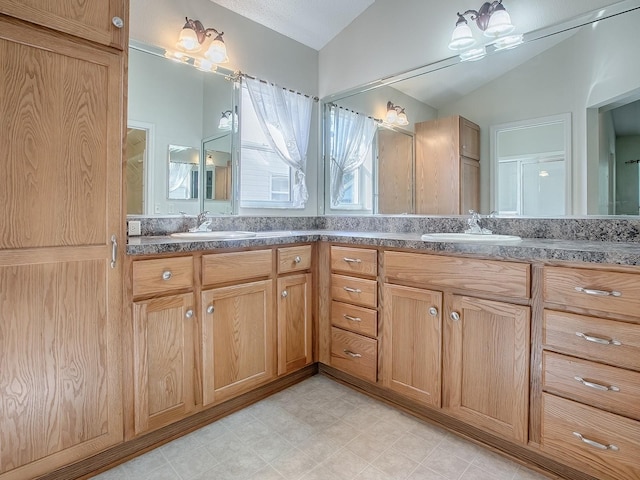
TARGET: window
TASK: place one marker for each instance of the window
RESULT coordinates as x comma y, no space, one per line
266,181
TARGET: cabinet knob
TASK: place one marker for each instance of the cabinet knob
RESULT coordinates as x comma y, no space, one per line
297,260
284,294
117,22
189,313
166,275
455,316
210,309
433,311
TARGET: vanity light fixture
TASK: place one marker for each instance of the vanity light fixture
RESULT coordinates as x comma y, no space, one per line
396,115
193,37
225,120
492,18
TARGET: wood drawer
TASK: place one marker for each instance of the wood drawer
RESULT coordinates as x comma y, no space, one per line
593,338
613,389
232,267
294,259
359,261
354,354
509,279
354,290
162,275
611,292
561,418
356,319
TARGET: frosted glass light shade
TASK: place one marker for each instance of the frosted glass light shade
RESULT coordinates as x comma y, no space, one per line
188,40
508,42
217,52
402,119
499,24
205,65
473,54
392,116
225,123
462,37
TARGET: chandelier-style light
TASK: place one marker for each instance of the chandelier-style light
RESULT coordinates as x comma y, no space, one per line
396,115
192,39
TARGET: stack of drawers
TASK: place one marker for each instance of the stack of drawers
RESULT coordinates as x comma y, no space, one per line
591,371
354,316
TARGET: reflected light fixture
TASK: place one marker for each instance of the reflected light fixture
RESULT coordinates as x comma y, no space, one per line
225,120
396,115
492,19
193,37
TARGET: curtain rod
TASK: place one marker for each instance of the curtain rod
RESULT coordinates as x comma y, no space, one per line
315,99
357,113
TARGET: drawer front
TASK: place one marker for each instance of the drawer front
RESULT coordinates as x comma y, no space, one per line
510,279
354,354
609,446
162,275
354,290
616,343
611,292
294,259
356,319
359,261
231,267
613,389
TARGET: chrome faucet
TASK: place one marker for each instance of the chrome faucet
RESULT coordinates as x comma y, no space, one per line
475,224
203,223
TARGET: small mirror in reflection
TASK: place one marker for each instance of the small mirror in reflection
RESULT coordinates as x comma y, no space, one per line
184,163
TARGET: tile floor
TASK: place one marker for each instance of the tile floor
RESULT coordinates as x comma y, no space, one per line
319,430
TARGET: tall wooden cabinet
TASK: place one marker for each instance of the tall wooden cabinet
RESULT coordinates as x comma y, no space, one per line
447,166
61,130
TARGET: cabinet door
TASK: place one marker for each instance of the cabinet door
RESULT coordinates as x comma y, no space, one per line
238,339
470,181
412,342
486,364
294,323
163,343
61,125
90,20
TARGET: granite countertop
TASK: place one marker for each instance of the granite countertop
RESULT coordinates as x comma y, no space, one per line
529,249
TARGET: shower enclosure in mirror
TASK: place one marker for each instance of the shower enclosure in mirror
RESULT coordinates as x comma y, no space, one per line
181,156
581,70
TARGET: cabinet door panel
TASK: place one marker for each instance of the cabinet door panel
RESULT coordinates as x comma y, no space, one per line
237,339
486,378
164,360
411,342
294,323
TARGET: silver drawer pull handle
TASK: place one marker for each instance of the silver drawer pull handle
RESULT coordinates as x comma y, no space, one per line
597,386
352,290
352,319
595,444
352,354
114,251
598,293
166,275
297,260
599,340
352,260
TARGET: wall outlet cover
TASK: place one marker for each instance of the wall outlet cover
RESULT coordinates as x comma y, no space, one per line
134,228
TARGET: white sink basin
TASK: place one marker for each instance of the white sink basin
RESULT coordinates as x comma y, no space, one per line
469,238
219,235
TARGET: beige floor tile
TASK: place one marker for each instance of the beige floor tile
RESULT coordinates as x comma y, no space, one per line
293,464
425,473
395,464
414,447
370,446
525,473
193,462
500,467
444,461
270,446
116,473
346,464
372,473
144,464
266,473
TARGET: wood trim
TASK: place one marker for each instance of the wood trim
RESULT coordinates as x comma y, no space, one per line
535,364
522,454
129,450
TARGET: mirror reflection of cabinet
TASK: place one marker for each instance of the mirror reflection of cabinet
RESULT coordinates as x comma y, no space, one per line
395,172
447,166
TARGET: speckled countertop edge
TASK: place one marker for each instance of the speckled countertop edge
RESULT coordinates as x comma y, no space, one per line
533,249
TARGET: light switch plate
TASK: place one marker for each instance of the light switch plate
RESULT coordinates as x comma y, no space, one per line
134,228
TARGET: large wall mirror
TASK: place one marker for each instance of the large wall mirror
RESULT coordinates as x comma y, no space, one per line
179,137
558,114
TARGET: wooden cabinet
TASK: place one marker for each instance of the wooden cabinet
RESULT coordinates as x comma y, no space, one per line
447,166
163,330
295,343
60,196
412,343
591,370
94,21
237,339
486,364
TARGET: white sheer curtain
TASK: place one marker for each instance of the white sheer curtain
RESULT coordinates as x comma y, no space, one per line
179,179
285,118
352,135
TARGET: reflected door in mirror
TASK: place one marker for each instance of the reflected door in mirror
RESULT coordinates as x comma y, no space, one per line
395,172
135,169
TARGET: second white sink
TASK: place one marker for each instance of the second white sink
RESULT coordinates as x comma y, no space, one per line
219,235
469,238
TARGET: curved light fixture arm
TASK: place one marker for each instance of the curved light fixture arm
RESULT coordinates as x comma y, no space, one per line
482,16
201,32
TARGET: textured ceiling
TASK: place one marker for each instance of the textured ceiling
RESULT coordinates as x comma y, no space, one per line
310,22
